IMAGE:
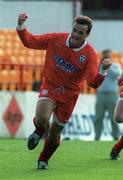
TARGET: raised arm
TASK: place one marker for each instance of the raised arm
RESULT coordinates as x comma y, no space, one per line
95,75
28,39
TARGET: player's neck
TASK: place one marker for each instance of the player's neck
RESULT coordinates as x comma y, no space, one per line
76,45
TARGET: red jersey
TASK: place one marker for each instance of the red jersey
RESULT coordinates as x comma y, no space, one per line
64,65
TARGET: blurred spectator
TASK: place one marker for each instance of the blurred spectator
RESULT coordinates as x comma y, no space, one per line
106,98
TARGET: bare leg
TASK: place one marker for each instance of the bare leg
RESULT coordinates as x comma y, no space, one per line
44,109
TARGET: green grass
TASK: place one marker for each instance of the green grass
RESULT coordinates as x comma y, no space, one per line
74,160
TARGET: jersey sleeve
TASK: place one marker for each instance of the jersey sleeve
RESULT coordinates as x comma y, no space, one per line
93,78
34,41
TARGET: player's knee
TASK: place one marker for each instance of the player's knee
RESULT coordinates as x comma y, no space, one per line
38,122
118,119
41,120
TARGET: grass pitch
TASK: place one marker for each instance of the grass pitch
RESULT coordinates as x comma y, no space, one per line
74,160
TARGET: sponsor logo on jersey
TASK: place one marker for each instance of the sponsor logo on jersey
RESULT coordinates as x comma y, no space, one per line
64,65
82,58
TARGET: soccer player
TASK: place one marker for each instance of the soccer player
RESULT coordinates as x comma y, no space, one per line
70,60
118,117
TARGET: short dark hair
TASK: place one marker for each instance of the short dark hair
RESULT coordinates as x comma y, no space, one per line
106,51
84,20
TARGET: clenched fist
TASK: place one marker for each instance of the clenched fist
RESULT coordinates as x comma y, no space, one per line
22,18
106,63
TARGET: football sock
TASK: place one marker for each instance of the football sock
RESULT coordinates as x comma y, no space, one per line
49,148
39,130
119,145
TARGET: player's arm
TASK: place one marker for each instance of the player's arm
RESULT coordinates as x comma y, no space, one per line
28,39
95,74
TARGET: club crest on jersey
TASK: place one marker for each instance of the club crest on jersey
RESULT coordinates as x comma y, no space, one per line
82,58
44,91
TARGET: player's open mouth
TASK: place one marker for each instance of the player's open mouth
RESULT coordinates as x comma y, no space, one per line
75,38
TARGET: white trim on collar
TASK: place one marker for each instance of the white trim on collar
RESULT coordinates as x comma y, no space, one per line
75,49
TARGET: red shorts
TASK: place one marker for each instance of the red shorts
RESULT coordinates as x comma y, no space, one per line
63,98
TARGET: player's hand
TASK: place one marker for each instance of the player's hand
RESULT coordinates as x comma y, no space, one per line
22,18
120,80
106,63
